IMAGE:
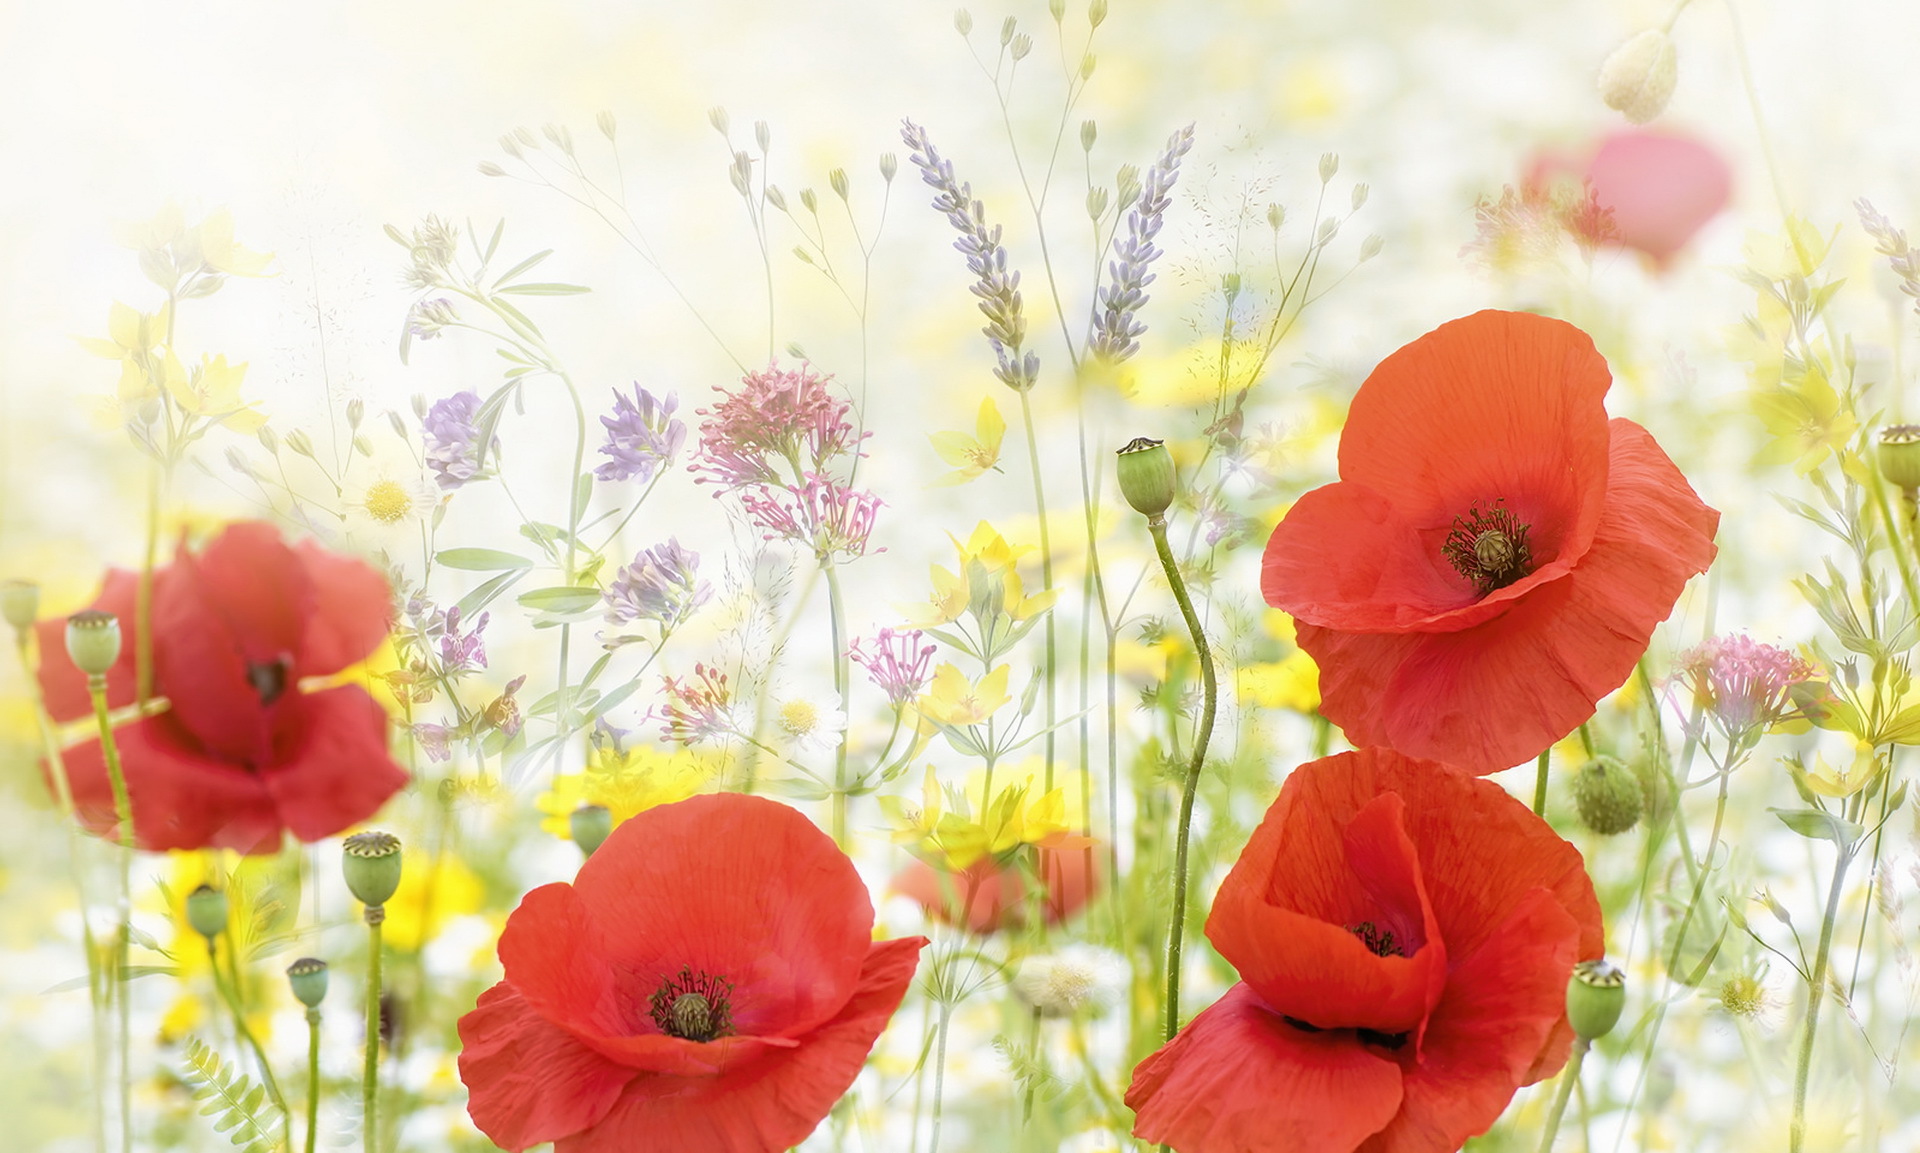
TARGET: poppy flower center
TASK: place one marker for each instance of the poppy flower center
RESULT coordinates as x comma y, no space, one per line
1489,547
269,678
695,1007
1380,942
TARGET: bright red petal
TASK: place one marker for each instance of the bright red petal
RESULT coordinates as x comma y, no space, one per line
65,686
527,1080
1238,1079
1502,1004
766,1105
205,638
352,611
737,887
182,798
331,768
1490,697
1286,916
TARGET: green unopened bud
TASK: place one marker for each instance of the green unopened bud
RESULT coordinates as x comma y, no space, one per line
1595,996
889,164
1089,132
356,412
837,180
308,977
1276,216
1900,456
371,862
1096,13
604,118
1637,78
1329,165
962,21
1608,796
590,825
298,441
207,911
93,641
1145,469
20,603
717,116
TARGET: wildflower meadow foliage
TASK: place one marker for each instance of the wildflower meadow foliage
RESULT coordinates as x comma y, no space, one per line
1094,578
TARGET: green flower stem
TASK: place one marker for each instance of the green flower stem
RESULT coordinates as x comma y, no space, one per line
1816,993
1046,570
836,618
226,982
123,901
1157,525
1540,782
939,1073
313,1078
370,1071
1569,1077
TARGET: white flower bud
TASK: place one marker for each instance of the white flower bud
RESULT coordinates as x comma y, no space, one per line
1637,79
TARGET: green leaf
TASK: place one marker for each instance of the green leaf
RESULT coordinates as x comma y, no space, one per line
494,244
539,288
480,597
560,599
1818,826
1903,729
524,265
480,559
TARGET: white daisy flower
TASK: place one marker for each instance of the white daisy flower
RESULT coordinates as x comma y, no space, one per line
813,722
387,498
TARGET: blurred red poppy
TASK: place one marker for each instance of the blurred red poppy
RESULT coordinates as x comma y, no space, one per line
243,753
1496,553
1661,187
994,893
1404,935
708,982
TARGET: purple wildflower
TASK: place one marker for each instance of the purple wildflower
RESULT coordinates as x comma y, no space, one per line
458,653
434,741
662,584
898,663
641,436
824,514
1115,329
698,708
997,288
454,451
1741,683
503,712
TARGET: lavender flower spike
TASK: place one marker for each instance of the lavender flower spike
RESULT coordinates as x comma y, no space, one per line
1115,335
997,288
662,585
452,440
641,436
1891,243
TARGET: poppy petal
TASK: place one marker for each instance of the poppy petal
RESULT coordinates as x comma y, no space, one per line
331,768
766,1105
1502,1003
513,1060
1239,1078
64,686
792,952
182,798
352,611
1490,697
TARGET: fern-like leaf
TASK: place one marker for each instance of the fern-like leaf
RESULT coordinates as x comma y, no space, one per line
237,1104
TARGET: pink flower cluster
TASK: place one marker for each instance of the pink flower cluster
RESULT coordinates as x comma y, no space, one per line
1741,683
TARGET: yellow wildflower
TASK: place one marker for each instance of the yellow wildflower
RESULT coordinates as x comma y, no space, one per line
973,455
944,830
132,338
625,782
987,584
212,390
952,699
1293,682
429,896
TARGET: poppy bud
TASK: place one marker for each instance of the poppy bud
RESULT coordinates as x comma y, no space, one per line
1900,456
371,863
1145,469
1608,796
93,641
308,977
590,825
1637,79
1595,996
207,911
19,603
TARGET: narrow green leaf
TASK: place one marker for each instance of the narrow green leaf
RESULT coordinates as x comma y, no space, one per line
560,599
480,597
539,288
524,265
480,559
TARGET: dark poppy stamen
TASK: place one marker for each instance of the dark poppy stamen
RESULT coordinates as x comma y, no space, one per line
1489,547
695,1007
1380,942
270,678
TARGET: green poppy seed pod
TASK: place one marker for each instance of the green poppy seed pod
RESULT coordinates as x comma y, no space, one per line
308,977
590,825
20,603
371,862
1608,796
1595,996
93,641
1900,456
207,911
1145,469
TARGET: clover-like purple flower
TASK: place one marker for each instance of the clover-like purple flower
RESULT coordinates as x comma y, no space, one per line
662,584
642,436
452,440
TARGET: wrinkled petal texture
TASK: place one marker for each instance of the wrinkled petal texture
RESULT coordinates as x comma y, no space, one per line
182,797
1458,870
1495,407
565,1048
1500,407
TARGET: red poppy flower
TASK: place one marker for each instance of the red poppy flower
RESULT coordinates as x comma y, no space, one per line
242,753
995,894
1404,934
1496,553
708,983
